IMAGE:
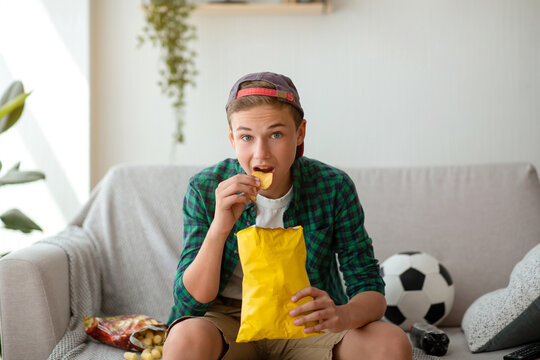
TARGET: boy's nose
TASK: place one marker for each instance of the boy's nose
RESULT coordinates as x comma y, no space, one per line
262,150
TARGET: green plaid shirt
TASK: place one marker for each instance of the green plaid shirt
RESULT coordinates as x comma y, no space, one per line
324,202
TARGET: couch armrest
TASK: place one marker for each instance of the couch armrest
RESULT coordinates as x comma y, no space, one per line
34,301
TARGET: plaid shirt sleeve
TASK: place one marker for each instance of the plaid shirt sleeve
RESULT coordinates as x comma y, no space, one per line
195,228
353,245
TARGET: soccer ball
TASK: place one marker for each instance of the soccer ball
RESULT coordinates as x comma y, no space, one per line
418,289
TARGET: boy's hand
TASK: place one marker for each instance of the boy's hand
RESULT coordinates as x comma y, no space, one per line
232,195
323,310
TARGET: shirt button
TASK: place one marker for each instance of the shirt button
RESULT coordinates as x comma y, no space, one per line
248,223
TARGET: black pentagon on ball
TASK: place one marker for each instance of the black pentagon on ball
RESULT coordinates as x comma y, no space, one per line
394,314
435,313
445,274
412,279
409,253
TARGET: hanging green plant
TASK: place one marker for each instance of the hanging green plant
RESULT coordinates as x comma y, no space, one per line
168,28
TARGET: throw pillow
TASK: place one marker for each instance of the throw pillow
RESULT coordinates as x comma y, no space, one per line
510,316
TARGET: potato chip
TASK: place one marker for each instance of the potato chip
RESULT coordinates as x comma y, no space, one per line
266,181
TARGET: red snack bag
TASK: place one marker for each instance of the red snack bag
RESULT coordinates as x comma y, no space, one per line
128,332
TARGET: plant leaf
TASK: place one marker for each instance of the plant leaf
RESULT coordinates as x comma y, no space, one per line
14,219
14,176
12,105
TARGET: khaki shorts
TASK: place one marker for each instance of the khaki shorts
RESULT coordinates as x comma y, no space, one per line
225,315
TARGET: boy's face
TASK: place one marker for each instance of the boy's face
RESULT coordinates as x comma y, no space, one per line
265,139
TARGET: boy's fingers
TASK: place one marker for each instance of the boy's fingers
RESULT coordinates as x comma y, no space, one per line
302,293
319,327
314,316
249,179
240,179
235,189
235,199
313,305
257,181
307,291
301,309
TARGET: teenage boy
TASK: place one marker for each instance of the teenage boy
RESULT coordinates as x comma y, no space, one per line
267,130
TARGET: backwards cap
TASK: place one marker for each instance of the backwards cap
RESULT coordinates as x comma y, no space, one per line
285,90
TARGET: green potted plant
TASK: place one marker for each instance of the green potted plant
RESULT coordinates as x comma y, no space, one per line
167,27
11,108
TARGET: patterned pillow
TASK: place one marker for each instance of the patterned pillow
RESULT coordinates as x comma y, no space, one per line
510,316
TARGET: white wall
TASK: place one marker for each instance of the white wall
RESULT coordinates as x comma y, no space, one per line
45,43
382,82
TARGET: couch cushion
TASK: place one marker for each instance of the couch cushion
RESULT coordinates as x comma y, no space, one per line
509,316
479,221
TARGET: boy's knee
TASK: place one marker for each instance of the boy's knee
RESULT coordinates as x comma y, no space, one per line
378,340
398,345
392,341
194,336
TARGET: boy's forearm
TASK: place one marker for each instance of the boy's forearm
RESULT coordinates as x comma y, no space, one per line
201,278
364,308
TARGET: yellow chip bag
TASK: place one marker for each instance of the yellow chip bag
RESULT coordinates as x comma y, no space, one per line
274,266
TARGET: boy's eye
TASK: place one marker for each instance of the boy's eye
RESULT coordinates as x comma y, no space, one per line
276,135
246,137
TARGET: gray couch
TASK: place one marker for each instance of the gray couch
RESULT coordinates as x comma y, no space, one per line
119,255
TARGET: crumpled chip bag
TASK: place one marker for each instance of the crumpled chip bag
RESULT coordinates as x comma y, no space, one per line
274,266
129,332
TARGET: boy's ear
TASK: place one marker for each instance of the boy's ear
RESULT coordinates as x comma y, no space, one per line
231,137
301,133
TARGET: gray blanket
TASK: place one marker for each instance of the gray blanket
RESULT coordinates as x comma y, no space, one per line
85,294
122,248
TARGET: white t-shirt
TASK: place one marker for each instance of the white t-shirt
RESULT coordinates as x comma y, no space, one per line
269,215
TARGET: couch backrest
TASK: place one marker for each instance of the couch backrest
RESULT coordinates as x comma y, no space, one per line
477,220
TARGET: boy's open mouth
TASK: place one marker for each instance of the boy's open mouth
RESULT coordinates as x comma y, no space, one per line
264,169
